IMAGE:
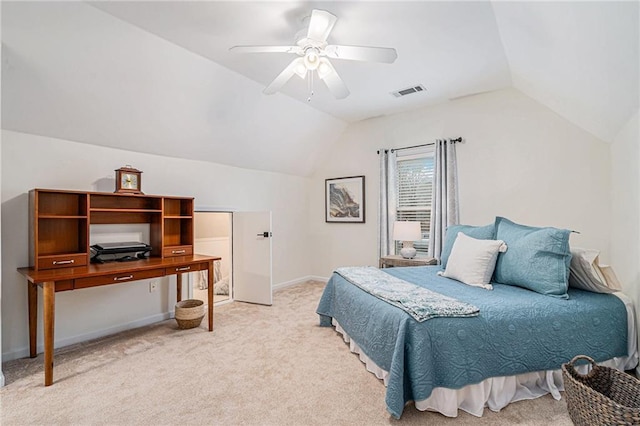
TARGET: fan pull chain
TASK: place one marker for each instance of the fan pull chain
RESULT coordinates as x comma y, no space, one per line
310,85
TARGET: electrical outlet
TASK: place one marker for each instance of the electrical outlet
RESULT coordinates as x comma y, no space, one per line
153,286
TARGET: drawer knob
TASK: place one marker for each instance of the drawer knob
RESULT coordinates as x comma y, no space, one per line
178,251
63,262
184,268
127,277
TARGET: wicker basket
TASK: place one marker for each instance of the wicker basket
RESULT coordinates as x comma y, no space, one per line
189,313
604,396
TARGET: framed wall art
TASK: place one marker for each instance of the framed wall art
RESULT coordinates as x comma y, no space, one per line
344,200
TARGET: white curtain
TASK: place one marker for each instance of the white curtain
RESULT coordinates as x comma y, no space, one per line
444,207
387,203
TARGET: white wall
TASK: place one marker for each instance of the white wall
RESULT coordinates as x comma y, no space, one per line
520,160
579,58
625,199
211,225
30,161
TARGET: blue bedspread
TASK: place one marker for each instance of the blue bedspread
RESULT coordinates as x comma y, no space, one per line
517,331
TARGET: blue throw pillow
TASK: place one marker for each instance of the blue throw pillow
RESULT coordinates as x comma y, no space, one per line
536,258
478,232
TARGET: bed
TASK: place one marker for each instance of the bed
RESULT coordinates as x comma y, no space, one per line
512,350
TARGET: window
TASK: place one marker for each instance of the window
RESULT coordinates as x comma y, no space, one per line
415,187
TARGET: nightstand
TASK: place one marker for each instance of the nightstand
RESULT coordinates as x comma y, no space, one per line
397,260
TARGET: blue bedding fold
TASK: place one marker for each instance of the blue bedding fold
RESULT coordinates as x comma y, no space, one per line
517,331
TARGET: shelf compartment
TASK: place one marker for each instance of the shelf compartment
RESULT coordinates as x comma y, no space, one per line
178,207
53,204
124,202
61,236
177,232
120,216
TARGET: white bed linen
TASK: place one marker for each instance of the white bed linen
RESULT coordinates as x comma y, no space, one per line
498,392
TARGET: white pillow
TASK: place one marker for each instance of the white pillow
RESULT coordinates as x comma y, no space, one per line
585,272
472,261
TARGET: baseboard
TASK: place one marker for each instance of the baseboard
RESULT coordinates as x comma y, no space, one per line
220,303
24,352
286,284
300,280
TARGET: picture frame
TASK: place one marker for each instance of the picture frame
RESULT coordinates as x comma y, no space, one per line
344,200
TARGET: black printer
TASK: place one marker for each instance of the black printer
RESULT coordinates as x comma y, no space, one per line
119,252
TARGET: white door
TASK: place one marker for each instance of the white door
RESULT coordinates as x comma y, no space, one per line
252,257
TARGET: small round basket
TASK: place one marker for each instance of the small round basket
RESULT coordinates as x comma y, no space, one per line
189,313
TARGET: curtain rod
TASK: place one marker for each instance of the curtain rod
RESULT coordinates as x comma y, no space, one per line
456,140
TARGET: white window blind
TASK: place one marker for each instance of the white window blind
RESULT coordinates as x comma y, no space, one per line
415,186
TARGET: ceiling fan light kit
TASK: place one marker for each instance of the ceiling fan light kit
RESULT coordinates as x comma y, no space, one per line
313,55
311,58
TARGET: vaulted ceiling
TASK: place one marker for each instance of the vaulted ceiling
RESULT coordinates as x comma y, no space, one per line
158,77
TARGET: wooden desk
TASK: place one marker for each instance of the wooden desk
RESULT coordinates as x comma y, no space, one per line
62,279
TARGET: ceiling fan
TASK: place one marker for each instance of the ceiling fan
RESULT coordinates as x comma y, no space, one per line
313,55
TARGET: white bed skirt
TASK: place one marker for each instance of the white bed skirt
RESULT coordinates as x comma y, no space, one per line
498,392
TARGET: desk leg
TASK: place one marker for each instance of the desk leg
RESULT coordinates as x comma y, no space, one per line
210,294
33,318
178,287
49,291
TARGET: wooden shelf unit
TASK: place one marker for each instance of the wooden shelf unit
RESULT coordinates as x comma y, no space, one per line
177,227
59,229
60,220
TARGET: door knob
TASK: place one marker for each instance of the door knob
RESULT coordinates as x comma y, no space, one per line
265,234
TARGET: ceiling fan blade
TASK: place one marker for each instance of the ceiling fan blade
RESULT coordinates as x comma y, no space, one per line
385,55
265,49
328,74
320,25
284,76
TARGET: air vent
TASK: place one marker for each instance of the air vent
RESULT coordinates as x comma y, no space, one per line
409,90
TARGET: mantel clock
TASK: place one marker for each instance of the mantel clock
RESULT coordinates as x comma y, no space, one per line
128,180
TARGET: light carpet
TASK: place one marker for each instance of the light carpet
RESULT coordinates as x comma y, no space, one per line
260,366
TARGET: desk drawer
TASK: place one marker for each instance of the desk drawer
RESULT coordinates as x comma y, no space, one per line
174,251
122,277
187,268
62,261
64,285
